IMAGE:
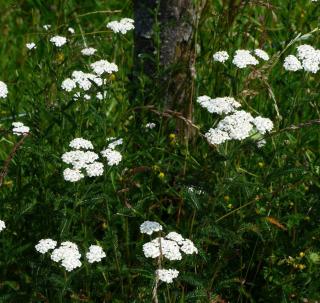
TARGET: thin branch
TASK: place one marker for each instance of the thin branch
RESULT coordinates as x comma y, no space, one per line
6,164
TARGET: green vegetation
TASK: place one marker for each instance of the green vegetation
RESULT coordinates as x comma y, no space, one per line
253,213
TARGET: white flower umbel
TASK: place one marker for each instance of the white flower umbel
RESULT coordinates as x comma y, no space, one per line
72,175
167,275
68,254
263,125
103,66
174,236
261,54
122,26
95,254
149,227
2,225
94,169
113,157
89,51
31,45
58,41
221,56
47,27
3,90
20,129
71,30
150,125
243,58
160,246
216,136
80,143
224,105
79,158
114,143
44,245
188,247
292,63
68,85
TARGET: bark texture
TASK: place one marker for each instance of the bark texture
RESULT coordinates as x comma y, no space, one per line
176,56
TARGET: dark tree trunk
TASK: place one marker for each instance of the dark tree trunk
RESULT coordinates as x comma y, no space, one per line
176,52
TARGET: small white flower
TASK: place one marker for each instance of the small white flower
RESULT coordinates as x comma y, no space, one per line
122,26
167,275
114,142
95,254
113,156
243,58
31,45
216,136
58,41
150,125
2,225
221,56
94,169
89,51
44,245
20,129
188,247
221,105
101,96
47,27
149,227
291,63
79,143
72,175
174,236
68,254
261,54
103,66
263,125
68,85
71,30
3,90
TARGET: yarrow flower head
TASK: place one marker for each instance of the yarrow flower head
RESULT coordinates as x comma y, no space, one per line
20,129
103,66
47,27
3,90
150,125
72,175
149,227
122,26
219,106
71,30
31,45
243,58
58,41
221,56
95,254
291,63
113,156
44,245
89,51
261,54
80,143
68,255
167,275
2,225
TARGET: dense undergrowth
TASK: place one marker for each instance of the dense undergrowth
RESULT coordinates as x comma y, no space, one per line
252,213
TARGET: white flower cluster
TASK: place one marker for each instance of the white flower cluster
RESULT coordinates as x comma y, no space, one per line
224,105
104,66
169,247
31,45
150,125
68,253
84,81
44,245
149,227
82,161
238,125
58,41
122,26
3,90
89,51
167,275
308,59
19,128
95,254
2,225
242,58
113,156
46,27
